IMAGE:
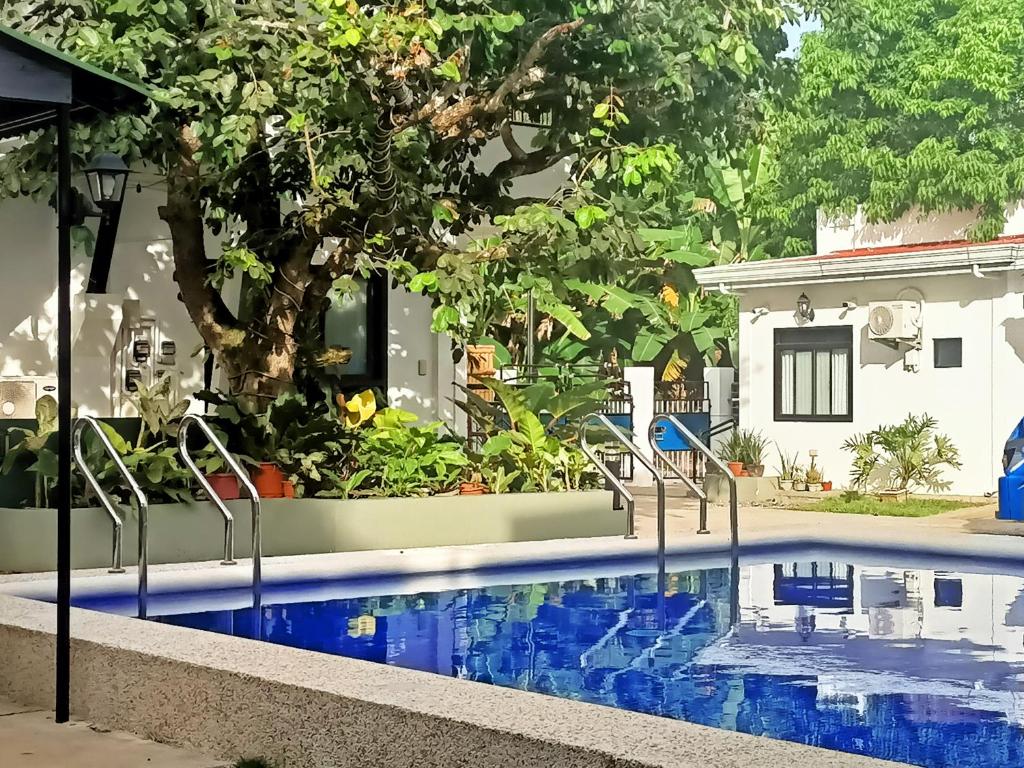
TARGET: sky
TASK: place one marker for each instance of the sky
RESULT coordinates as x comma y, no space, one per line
795,31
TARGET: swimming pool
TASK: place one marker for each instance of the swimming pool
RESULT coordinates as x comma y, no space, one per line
834,648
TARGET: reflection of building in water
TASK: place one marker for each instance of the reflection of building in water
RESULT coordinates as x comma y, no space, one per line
897,604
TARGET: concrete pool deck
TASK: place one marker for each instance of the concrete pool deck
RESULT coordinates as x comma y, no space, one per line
230,697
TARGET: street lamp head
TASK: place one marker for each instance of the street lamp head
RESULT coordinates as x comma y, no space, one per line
107,175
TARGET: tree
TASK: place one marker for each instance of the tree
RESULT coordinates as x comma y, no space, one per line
324,140
910,103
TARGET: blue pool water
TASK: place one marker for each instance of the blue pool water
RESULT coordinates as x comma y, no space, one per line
919,666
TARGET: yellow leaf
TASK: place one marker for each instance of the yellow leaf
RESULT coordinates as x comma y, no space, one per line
360,409
669,296
675,368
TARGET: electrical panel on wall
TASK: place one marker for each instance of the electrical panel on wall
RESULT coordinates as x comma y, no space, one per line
141,355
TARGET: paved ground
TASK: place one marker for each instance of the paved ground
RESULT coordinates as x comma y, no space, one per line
682,515
30,739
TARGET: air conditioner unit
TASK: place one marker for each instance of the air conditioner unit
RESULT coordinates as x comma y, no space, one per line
894,320
18,395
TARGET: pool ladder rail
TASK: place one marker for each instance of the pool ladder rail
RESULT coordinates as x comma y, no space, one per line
620,437
243,480
698,445
89,423
616,482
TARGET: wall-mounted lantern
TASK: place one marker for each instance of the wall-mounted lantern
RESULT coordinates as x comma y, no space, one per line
107,175
804,311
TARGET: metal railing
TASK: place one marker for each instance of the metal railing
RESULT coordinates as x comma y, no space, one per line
88,422
244,482
617,483
678,471
215,499
698,445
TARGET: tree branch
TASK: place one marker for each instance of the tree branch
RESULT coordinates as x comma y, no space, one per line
524,74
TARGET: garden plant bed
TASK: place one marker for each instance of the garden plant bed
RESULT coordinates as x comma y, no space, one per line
181,533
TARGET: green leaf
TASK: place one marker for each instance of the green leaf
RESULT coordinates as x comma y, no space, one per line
648,345
588,215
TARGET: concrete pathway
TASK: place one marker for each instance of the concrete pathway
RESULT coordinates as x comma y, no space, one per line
30,739
682,516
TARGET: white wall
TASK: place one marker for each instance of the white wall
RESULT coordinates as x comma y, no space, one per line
976,405
142,268
845,233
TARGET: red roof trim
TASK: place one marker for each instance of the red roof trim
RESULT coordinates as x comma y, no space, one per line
944,245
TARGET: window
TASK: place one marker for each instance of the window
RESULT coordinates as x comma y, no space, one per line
949,353
360,322
814,374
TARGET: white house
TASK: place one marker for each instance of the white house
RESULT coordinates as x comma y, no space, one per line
946,338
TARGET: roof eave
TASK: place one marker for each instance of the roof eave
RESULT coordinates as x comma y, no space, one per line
807,271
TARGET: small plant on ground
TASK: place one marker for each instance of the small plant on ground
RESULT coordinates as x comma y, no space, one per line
813,475
902,457
787,466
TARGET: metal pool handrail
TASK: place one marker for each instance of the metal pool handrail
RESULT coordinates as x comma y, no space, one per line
702,527
88,422
700,447
659,479
244,481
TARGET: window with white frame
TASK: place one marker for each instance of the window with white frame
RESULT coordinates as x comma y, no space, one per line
814,374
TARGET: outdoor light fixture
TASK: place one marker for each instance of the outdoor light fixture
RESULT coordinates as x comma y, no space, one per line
107,175
804,312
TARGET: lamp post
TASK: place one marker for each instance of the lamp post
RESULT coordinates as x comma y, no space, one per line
107,175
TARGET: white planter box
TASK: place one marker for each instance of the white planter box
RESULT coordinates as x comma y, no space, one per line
181,533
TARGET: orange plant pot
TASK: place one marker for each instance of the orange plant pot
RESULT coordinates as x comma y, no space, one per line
225,485
288,488
736,467
269,481
472,489
826,485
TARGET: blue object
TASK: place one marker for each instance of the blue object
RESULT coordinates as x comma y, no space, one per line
832,668
669,438
1011,484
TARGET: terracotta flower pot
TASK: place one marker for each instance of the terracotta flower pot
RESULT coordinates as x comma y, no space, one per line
736,467
269,481
225,485
826,485
472,489
288,488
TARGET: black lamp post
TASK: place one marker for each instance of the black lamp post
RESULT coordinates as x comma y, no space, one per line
42,87
107,175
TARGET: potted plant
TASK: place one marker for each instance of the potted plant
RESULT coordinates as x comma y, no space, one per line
787,468
799,478
224,484
732,453
813,478
754,447
826,485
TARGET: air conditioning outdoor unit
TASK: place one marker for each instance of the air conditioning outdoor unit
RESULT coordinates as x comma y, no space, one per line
894,320
18,395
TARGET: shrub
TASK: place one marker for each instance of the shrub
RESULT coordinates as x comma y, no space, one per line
904,456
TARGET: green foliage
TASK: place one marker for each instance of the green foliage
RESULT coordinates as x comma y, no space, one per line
37,443
855,504
904,456
788,465
262,104
531,435
906,104
304,438
733,449
395,457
